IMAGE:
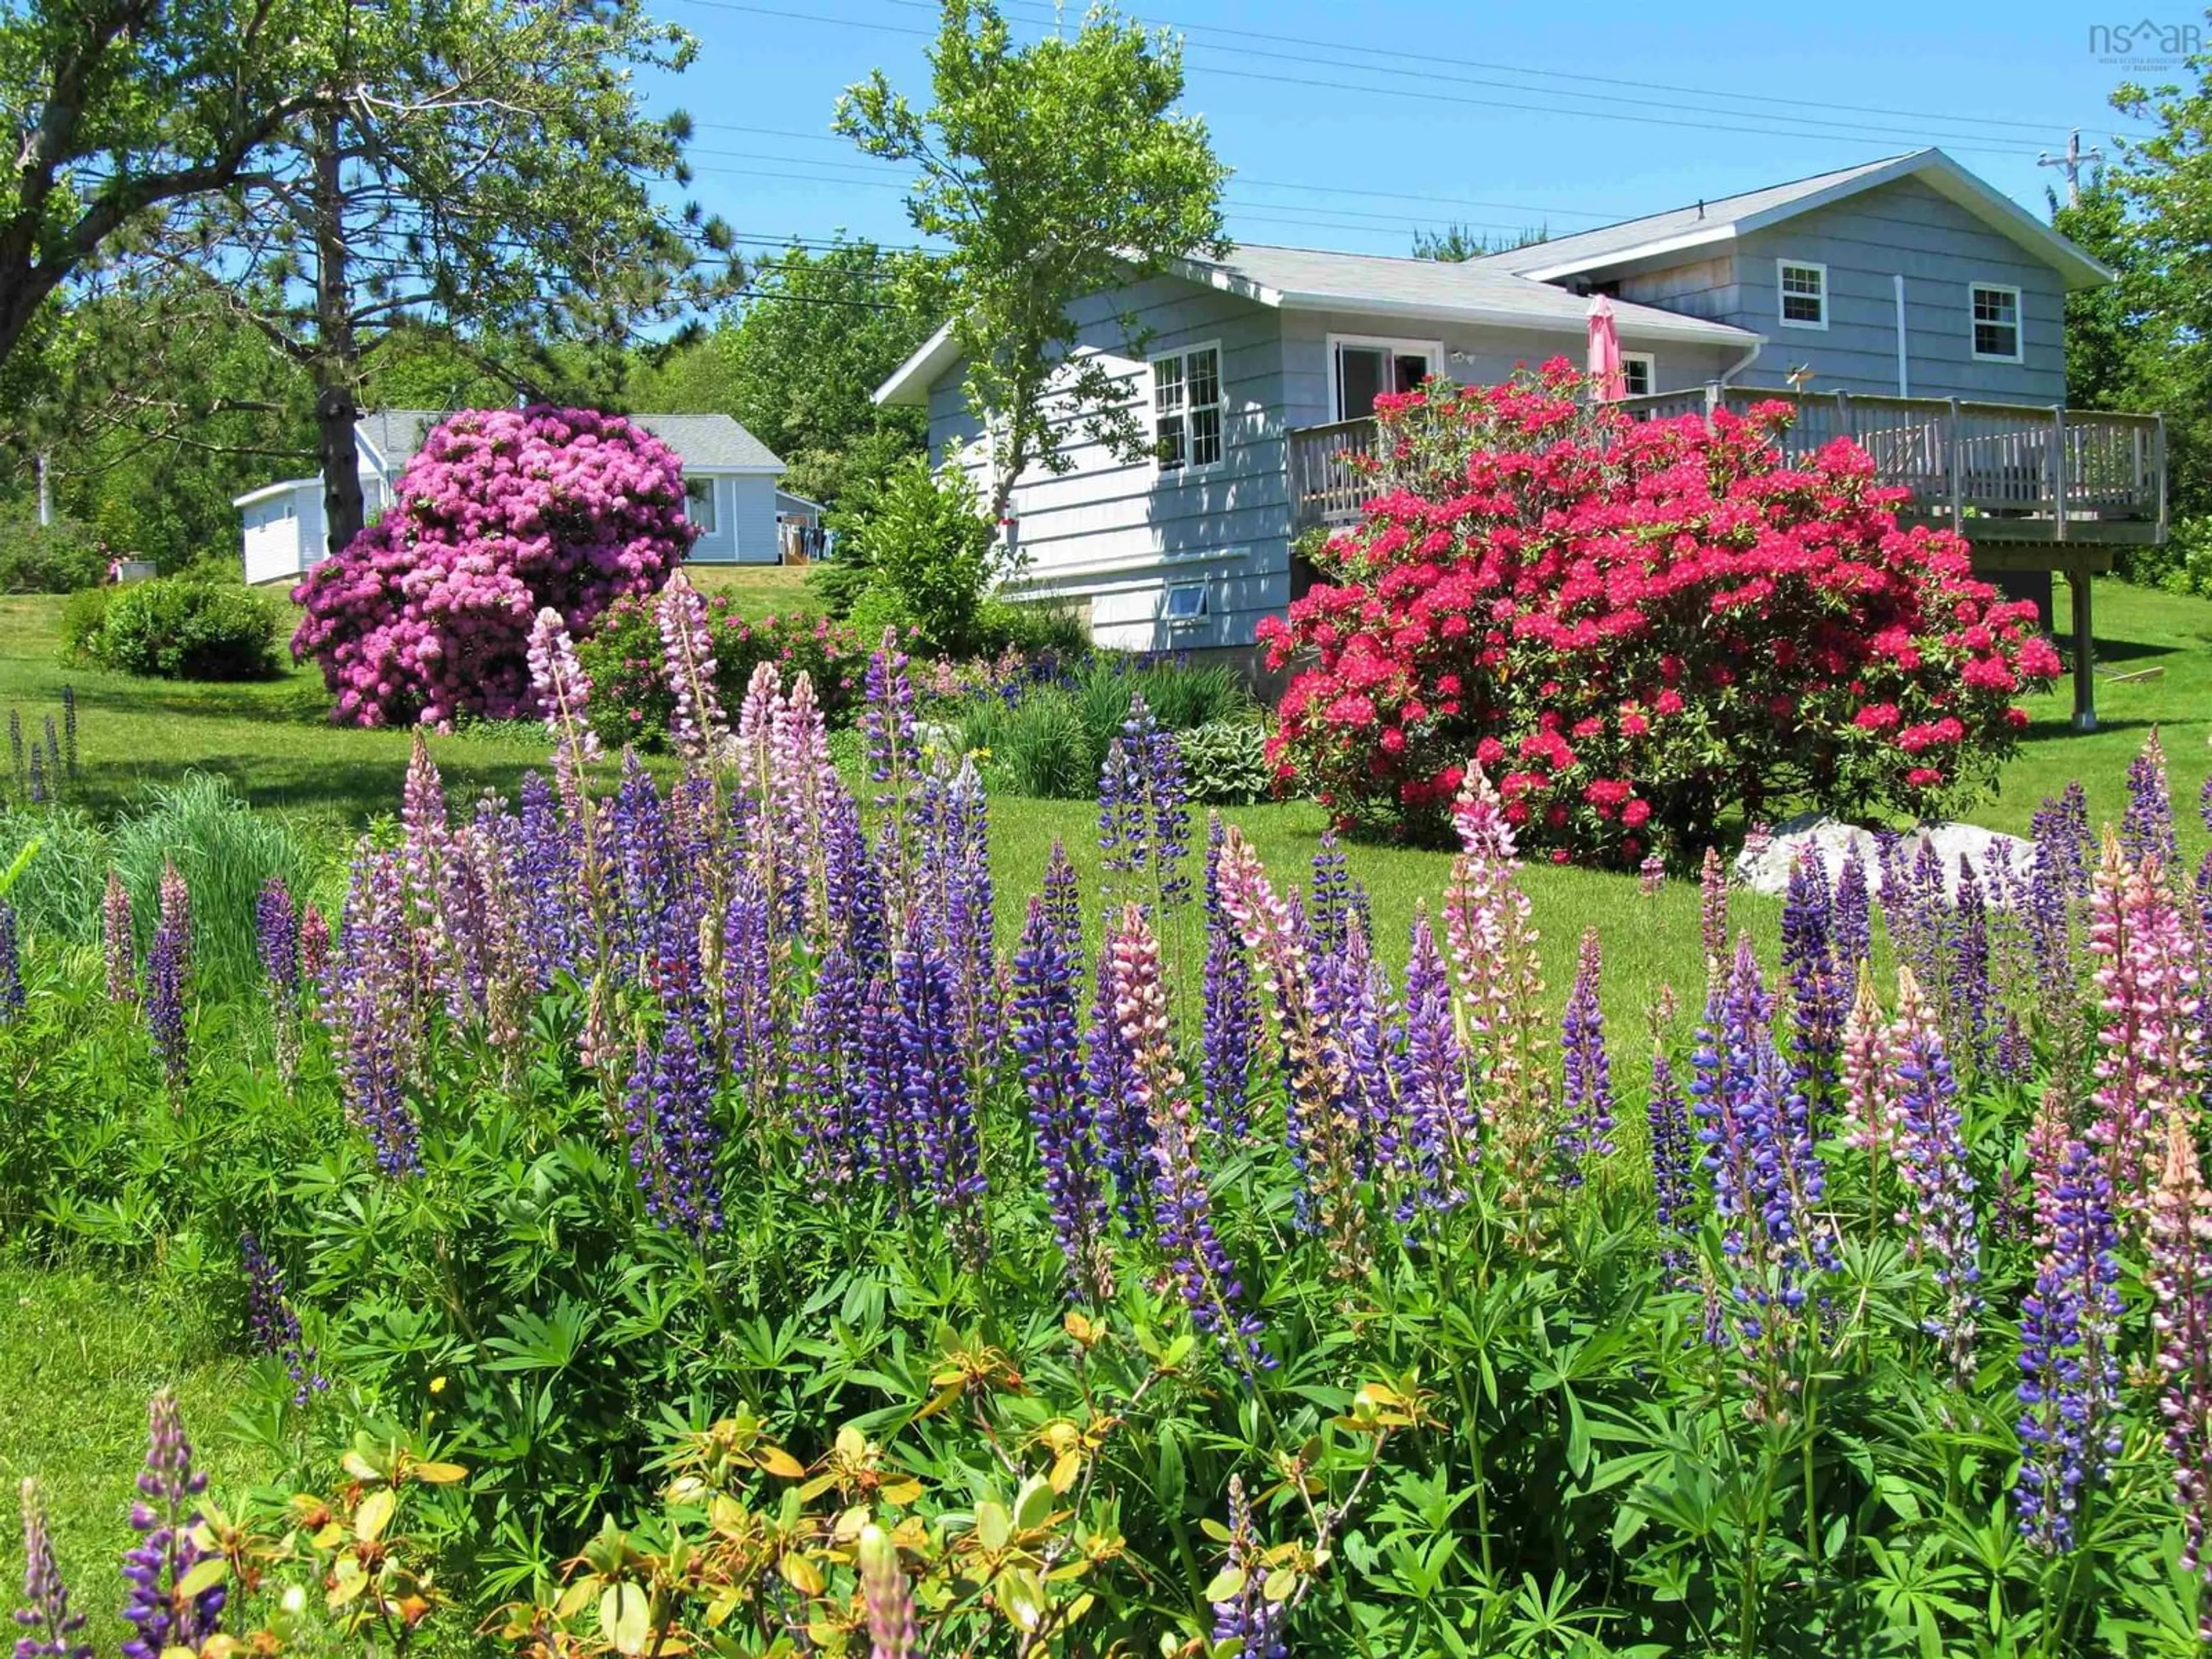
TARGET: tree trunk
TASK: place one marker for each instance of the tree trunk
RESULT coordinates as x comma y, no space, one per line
337,364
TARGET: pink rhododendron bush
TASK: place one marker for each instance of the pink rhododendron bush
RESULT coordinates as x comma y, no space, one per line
1637,628
426,615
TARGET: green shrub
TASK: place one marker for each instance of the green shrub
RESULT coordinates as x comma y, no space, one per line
225,851
1051,741
630,700
1226,763
181,628
53,558
930,558
2183,565
83,615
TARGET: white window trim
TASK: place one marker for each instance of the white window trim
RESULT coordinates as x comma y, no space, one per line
1781,315
713,498
1189,470
1650,361
2019,323
1204,616
1433,350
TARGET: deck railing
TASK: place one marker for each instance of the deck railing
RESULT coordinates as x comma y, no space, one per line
2000,470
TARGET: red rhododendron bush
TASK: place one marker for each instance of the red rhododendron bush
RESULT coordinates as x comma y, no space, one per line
1637,627
426,615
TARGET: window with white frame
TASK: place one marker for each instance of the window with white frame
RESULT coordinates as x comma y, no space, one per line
1187,409
1362,368
1186,604
699,503
1804,289
1995,322
1640,373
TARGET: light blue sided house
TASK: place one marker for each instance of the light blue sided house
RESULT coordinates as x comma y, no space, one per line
1904,303
730,492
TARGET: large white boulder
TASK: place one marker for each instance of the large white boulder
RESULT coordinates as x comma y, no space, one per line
1763,866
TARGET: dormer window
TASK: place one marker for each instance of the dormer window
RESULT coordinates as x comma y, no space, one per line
1804,289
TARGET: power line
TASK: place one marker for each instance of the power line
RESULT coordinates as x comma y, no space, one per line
1844,130
1559,75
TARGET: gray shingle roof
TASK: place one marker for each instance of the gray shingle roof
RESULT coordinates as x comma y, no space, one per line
1679,229
1308,279
707,442
1590,246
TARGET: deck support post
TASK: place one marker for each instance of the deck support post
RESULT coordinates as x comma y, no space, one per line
2085,676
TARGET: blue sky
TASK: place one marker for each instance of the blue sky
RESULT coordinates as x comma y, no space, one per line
1350,125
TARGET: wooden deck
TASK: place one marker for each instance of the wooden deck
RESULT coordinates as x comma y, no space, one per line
2030,488
2000,473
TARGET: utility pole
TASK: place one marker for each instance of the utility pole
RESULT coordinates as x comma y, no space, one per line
2072,162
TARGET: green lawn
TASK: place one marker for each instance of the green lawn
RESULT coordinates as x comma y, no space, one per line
80,1355
274,744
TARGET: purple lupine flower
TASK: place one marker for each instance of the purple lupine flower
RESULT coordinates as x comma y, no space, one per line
164,1518
1672,1157
1248,1618
1124,1133
38,776
549,873
11,966
1712,914
53,754
1651,875
1047,981
825,1106
2148,1045
886,1597
932,1082
69,732
956,903
1183,1207
1586,1097
644,859
749,1014
1968,1003
1144,817
887,720
564,697
271,1325
168,977
276,937
1229,1012
48,1625
2069,1426
805,795
697,725
118,941
1440,1127
1851,918
1808,960
1369,1029
2014,1061
2147,828
668,1113
314,949
855,887
1931,1158
2065,850
372,1002
1767,1182
895,1153
2180,1274
1328,897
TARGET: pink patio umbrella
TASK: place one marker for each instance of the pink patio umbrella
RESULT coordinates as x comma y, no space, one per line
1609,383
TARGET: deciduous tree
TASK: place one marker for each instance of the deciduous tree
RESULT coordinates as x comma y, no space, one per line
1051,171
